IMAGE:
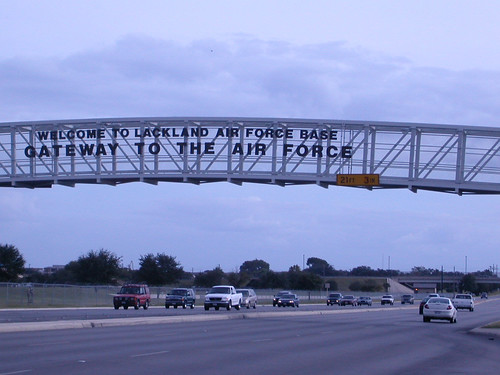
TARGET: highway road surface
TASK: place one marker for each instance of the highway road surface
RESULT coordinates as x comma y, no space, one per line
315,340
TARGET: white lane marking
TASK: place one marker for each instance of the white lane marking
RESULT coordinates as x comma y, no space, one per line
147,354
262,340
15,372
49,343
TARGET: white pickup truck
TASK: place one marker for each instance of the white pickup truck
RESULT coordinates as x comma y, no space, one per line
463,301
223,296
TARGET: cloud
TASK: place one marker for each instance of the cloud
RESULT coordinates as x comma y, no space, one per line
225,224
142,76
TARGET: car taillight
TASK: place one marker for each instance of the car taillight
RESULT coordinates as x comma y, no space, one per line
449,307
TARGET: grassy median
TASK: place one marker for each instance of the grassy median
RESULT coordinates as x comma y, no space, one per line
493,325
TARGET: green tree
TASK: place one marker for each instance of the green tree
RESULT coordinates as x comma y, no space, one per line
96,267
369,285
209,278
159,269
255,268
362,271
234,278
319,266
468,283
294,269
270,280
302,280
11,263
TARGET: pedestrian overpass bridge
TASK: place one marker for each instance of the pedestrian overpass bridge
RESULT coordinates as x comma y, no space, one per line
279,151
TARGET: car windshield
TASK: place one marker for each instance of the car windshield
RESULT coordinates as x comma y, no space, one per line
335,295
129,290
283,294
463,296
348,297
178,292
220,290
243,292
288,296
386,296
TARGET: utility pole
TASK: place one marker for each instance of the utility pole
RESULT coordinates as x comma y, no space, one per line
442,279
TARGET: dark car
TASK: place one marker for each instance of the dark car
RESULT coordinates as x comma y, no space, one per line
180,297
288,300
422,304
333,299
349,300
135,295
280,294
407,298
484,295
365,301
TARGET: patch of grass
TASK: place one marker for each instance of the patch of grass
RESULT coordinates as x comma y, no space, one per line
493,325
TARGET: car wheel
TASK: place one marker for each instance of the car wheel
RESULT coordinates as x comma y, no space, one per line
206,308
248,305
175,306
167,306
146,305
216,307
192,305
117,307
426,320
255,305
125,307
183,305
229,305
137,305
471,309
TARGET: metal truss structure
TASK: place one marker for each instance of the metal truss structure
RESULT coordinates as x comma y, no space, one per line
444,158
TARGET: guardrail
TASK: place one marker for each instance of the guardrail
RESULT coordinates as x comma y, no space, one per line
33,295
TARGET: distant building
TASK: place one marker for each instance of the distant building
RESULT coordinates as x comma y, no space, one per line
52,269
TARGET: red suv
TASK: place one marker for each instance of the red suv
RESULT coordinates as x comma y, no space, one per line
135,295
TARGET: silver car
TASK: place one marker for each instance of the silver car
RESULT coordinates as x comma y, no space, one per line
249,298
439,308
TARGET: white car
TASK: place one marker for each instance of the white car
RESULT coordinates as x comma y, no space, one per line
463,301
440,308
387,299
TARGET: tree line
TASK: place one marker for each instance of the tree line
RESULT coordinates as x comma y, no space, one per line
103,267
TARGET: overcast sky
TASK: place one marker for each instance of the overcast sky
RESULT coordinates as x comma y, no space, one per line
425,61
